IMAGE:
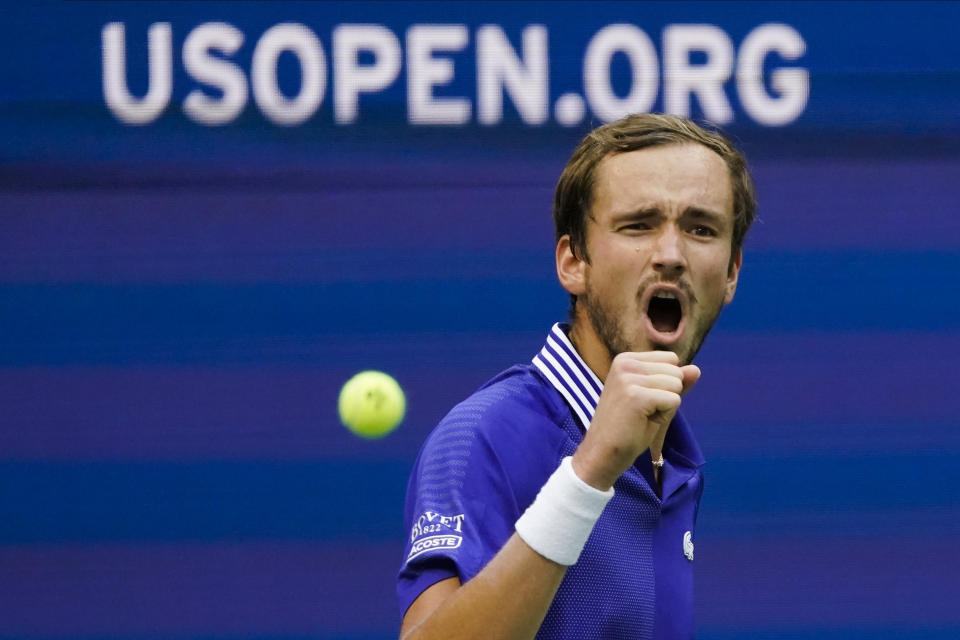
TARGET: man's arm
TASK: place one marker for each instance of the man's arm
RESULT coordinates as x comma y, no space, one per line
509,598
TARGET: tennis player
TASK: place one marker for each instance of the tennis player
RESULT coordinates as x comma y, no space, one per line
559,500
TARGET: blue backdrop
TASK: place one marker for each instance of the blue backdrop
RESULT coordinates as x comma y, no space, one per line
205,231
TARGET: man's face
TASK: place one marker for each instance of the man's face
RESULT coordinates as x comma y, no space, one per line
659,245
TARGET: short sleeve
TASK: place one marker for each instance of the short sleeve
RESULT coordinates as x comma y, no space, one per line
460,508
476,474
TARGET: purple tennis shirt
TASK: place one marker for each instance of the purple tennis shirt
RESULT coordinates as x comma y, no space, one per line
484,464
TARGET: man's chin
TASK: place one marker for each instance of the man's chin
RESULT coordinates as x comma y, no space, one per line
684,349
645,342
677,348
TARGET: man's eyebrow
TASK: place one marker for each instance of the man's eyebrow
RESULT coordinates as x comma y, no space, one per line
704,214
637,214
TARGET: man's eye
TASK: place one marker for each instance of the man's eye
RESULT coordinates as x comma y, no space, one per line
701,230
636,226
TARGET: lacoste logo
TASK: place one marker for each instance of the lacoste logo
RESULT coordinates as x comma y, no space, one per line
433,542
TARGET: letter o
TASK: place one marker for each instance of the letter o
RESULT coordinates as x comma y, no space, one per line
303,43
636,44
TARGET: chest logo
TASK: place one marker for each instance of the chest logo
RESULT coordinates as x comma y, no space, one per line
688,546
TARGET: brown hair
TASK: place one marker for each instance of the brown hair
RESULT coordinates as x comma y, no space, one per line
575,189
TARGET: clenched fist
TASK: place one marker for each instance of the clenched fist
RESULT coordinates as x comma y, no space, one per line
640,397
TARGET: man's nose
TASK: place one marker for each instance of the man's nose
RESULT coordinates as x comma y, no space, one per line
668,256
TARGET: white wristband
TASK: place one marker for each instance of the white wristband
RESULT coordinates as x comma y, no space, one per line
560,520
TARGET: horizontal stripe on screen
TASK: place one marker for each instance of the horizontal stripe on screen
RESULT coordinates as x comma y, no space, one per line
235,224
777,393
897,583
174,501
77,323
276,590
248,590
329,500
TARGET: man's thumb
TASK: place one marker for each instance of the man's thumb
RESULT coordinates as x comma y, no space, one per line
691,373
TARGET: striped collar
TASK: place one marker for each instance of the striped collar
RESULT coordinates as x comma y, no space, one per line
560,363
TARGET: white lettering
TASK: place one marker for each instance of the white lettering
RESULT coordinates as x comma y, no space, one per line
424,524
211,70
434,542
793,84
160,69
525,80
455,521
424,72
637,46
302,42
680,78
699,63
350,78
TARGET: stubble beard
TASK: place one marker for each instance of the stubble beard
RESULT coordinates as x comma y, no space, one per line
609,329
606,326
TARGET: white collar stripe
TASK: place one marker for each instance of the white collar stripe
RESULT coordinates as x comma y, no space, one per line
573,368
545,370
560,363
561,336
571,386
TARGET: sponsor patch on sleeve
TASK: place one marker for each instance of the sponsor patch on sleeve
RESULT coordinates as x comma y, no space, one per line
433,531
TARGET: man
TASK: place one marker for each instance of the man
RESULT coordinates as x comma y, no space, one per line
559,500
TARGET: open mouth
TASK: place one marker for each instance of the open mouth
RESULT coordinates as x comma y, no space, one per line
665,312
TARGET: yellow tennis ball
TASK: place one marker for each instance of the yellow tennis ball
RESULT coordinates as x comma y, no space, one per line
371,404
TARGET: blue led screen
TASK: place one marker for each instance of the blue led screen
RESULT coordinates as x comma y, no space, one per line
212,214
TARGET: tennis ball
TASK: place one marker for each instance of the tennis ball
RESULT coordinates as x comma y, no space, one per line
371,404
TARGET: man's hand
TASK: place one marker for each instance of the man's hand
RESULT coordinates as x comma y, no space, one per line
640,397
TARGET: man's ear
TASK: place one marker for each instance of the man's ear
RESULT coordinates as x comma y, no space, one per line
571,270
732,276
